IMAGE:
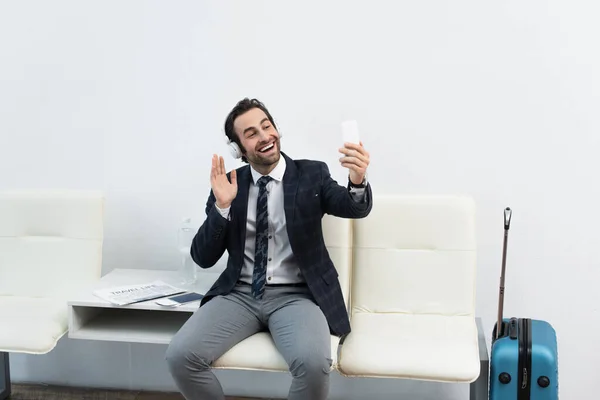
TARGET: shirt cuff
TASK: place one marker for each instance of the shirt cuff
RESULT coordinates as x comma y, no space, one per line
223,211
358,194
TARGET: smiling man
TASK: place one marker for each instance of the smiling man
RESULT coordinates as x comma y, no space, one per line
279,277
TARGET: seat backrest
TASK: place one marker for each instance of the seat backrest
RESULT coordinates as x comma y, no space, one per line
50,242
337,233
415,255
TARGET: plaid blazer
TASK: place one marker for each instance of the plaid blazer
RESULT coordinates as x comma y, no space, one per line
309,193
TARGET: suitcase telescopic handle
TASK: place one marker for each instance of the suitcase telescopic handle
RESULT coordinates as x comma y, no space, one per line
507,215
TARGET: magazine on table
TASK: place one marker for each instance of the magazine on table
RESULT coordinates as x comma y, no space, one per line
129,294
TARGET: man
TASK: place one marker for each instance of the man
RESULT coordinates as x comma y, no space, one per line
279,276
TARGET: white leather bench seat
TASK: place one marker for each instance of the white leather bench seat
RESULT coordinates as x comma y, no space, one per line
31,325
50,247
407,273
413,291
425,347
258,352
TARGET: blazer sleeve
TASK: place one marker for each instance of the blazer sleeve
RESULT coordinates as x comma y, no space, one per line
337,200
211,239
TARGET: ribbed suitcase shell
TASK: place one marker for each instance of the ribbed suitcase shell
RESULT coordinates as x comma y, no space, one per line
505,360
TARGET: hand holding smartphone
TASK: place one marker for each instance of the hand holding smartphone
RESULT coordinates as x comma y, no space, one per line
180,299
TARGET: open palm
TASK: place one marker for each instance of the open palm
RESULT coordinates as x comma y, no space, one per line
223,190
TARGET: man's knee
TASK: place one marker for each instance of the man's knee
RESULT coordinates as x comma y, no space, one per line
311,367
180,359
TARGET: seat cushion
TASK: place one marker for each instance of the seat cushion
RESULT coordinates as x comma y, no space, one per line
258,352
426,347
31,325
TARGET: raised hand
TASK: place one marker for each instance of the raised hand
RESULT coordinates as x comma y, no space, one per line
356,159
223,190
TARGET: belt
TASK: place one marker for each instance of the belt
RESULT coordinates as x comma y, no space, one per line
299,284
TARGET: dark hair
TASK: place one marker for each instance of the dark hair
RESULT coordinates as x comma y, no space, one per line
240,108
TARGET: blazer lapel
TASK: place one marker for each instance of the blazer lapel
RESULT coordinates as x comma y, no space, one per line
290,187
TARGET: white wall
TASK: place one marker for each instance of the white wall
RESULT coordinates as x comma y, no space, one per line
496,100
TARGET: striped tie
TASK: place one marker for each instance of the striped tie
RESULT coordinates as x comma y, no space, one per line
259,275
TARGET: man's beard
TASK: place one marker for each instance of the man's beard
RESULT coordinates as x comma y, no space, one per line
268,160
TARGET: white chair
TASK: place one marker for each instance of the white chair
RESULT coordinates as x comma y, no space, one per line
50,248
258,352
413,292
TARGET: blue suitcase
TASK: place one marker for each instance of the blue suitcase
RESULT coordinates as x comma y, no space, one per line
524,356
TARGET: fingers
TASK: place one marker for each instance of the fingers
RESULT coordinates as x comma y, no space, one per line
213,169
218,169
353,150
353,154
353,146
354,157
218,165
353,161
353,167
234,177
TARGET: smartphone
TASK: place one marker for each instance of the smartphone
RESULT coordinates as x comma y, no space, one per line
179,299
350,132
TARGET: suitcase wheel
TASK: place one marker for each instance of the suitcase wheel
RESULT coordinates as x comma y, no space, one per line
543,381
504,378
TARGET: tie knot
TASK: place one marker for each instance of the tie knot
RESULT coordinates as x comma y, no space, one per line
262,182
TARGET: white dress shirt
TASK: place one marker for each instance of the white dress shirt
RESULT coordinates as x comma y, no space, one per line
282,267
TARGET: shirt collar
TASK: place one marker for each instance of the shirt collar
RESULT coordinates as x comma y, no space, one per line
276,174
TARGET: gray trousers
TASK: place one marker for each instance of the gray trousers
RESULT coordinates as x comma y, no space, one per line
297,325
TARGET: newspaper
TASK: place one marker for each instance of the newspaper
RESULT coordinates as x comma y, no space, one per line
122,295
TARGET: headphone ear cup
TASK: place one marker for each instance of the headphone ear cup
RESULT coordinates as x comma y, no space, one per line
235,150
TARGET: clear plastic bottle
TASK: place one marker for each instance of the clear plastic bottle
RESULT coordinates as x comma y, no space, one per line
188,272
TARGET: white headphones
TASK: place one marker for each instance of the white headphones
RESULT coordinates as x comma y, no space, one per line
235,150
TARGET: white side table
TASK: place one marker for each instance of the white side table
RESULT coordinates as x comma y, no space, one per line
92,318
